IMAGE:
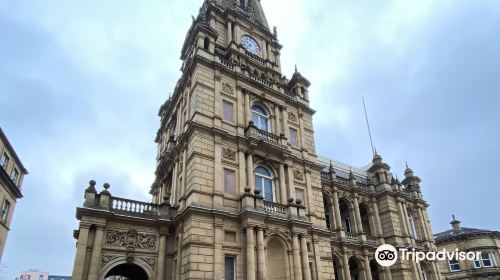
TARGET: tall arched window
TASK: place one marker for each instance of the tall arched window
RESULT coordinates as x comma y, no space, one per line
413,228
264,182
260,118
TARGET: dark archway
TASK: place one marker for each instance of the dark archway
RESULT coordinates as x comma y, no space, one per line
345,215
374,270
128,271
337,269
365,219
354,269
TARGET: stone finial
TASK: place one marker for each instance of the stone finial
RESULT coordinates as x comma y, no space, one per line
455,224
106,186
91,187
296,68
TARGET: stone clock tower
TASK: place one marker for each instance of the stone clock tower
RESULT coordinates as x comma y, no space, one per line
239,191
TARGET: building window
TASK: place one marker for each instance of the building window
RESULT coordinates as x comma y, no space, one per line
5,211
228,111
264,182
4,160
260,118
486,260
206,43
242,4
299,194
413,229
228,181
40,277
454,265
14,175
294,140
348,226
230,268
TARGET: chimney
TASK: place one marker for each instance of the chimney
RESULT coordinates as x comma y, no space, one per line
455,225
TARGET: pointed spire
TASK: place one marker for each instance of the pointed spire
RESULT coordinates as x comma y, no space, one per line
296,68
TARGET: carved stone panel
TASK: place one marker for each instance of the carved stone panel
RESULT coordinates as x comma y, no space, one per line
297,175
107,258
229,154
292,117
130,239
150,261
227,88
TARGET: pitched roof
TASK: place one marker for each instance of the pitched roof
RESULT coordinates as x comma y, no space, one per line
443,236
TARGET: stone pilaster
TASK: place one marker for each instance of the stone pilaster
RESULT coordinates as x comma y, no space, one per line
250,253
81,250
161,257
95,262
305,258
296,257
261,256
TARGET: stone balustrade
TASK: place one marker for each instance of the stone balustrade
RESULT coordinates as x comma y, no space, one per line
133,207
275,208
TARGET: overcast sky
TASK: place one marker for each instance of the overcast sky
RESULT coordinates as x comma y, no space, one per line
81,83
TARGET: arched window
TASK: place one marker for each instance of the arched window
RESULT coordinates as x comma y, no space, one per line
242,4
413,228
264,182
260,118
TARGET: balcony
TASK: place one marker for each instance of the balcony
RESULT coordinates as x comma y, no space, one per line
275,208
133,207
253,132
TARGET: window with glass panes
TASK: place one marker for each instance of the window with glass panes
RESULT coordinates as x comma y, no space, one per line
228,111
229,268
454,265
260,118
5,210
4,160
228,181
264,182
294,140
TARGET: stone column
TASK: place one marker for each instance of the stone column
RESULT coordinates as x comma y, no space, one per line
95,262
242,171
161,257
291,186
305,258
184,181
302,131
179,255
423,224
317,260
250,254
174,185
308,195
250,178
237,30
284,199
378,224
241,105
81,251
404,223
261,267
336,209
354,219
278,125
248,113
296,257
368,272
286,130
229,32
357,215
347,273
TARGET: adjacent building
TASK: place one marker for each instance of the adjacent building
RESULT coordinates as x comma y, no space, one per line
470,240
12,173
34,274
240,191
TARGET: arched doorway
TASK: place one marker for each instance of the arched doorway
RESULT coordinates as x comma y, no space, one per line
354,269
126,271
345,215
374,270
337,268
276,260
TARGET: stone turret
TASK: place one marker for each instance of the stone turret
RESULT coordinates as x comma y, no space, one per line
411,182
299,85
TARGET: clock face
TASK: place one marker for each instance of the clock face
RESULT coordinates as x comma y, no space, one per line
250,44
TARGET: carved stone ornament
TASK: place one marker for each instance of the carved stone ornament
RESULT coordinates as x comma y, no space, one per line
107,258
292,117
297,175
150,261
229,154
227,88
283,233
131,239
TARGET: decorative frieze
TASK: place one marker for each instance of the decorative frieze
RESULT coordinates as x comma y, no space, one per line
150,261
292,117
131,239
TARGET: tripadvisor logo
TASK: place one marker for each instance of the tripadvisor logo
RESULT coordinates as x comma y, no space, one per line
387,255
